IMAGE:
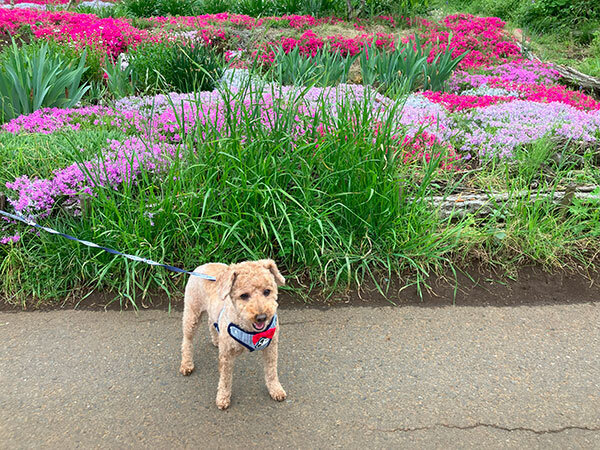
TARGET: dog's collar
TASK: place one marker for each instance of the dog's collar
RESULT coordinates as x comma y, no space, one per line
251,340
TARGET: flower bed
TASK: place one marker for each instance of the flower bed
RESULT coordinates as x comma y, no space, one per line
166,119
335,182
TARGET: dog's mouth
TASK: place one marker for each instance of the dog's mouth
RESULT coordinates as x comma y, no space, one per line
259,326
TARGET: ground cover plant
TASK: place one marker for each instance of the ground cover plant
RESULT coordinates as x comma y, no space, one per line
322,151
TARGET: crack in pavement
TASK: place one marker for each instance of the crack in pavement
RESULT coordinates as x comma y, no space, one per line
485,425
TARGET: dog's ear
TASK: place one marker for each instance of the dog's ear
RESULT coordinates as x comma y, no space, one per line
270,264
226,281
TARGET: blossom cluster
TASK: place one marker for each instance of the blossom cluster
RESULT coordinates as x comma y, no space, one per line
498,129
482,37
112,36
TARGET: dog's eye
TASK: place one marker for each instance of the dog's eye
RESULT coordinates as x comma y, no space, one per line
266,292
245,296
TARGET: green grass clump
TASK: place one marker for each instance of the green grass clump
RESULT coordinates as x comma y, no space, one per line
333,210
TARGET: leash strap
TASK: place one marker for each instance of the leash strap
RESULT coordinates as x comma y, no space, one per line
31,223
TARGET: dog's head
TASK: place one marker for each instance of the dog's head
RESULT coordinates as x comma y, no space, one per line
252,286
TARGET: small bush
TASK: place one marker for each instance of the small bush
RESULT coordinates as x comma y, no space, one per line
116,11
94,61
255,8
119,82
178,8
142,8
394,7
194,68
174,67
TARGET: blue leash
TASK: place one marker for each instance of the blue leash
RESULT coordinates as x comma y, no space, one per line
31,223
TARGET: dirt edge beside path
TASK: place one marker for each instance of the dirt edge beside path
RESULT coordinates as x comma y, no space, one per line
474,287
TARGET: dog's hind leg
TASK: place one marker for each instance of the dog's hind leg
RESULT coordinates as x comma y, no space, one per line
189,325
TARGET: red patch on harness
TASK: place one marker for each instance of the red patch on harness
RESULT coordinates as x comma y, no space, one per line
265,334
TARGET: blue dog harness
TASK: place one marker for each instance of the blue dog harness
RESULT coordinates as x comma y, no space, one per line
251,340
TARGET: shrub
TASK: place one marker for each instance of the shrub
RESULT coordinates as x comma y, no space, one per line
94,61
174,66
255,8
178,8
34,77
193,68
395,7
141,8
151,8
214,6
148,63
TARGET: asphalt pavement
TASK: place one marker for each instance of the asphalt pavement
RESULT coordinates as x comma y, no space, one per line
385,377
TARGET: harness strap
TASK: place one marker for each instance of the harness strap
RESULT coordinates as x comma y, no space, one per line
216,324
251,340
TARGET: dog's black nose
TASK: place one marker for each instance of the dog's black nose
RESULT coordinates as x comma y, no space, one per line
261,318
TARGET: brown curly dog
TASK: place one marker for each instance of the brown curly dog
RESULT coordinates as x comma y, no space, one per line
242,317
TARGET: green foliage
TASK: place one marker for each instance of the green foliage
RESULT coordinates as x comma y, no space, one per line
262,8
544,15
193,68
116,11
141,8
36,76
94,61
437,72
38,155
289,6
395,7
214,6
324,68
119,80
178,8
157,67
331,212
406,68
254,8
147,63
150,8
320,8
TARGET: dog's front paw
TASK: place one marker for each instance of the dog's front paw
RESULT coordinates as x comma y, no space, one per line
186,368
223,401
277,393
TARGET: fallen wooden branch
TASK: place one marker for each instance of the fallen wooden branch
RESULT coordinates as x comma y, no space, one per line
572,76
483,204
577,78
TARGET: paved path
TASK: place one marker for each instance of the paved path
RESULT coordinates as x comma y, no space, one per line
385,377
